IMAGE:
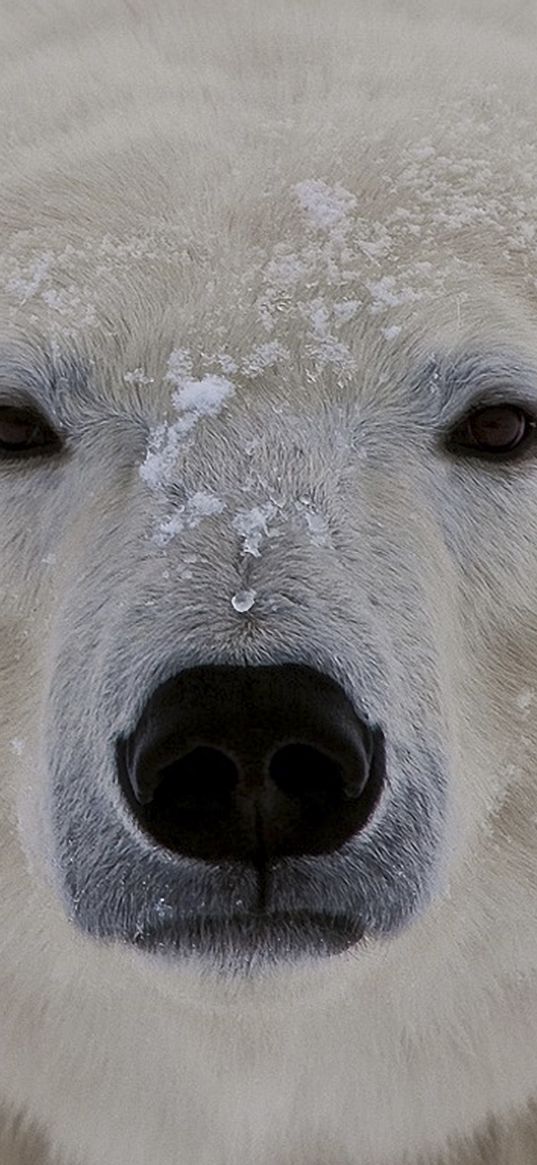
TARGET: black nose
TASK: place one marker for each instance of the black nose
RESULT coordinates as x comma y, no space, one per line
249,763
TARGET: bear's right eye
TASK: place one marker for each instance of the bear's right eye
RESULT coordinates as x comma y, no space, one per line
23,433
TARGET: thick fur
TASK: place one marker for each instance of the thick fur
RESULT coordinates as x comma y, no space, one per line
333,204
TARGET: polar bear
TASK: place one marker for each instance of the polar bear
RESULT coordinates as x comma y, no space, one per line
268,578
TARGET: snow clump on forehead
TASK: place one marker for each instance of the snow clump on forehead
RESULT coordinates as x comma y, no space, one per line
192,400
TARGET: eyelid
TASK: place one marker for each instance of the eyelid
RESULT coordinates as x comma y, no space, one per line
493,397
55,439
456,383
21,398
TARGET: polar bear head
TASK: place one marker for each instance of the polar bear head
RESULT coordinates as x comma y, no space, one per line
267,553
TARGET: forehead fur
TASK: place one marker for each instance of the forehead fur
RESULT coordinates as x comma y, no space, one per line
241,180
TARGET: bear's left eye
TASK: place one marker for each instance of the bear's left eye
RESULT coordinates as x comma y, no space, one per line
23,432
494,430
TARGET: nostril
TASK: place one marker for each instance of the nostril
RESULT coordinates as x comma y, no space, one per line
306,774
203,780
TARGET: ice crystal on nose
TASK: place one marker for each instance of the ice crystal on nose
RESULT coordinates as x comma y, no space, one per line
243,600
252,524
201,505
318,528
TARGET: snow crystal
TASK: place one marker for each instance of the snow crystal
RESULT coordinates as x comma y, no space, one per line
137,376
23,286
179,365
285,270
200,505
17,746
203,396
346,310
326,348
316,523
161,459
264,356
318,528
69,304
319,316
243,600
385,293
226,363
252,524
326,206
391,332
196,398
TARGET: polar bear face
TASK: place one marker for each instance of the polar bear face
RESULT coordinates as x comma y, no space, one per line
170,510
291,428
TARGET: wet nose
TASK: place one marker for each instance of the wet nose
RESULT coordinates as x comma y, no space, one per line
251,763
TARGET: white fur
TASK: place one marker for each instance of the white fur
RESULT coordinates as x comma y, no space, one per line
179,182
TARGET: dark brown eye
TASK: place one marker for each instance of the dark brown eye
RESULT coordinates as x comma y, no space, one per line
22,431
496,429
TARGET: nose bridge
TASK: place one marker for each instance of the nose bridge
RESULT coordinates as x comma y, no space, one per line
249,518
239,547
225,756
252,487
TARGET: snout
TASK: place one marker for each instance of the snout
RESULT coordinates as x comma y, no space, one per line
263,818
251,764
